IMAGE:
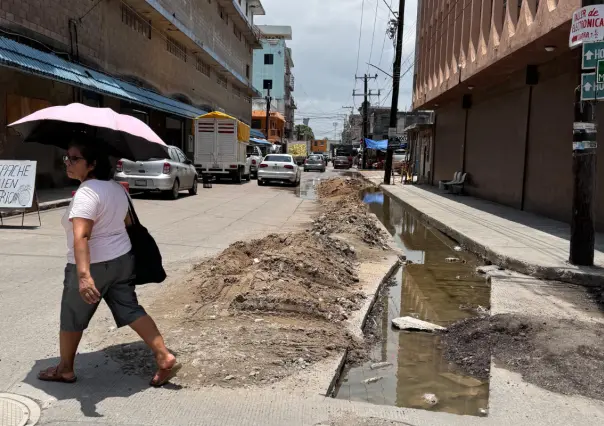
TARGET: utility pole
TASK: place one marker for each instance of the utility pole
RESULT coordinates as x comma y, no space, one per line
395,88
582,227
366,94
268,111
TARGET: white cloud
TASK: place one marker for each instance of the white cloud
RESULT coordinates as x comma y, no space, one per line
325,45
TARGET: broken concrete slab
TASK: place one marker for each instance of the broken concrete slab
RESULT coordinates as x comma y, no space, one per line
462,380
414,324
378,365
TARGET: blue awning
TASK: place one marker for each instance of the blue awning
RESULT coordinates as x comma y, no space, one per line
27,59
260,141
257,134
381,145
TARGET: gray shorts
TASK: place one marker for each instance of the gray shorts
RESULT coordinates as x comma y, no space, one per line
113,280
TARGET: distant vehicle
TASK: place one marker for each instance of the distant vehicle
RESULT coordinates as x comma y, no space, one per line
298,150
254,158
220,147
341,162
399,158
169,175
279,168
315,162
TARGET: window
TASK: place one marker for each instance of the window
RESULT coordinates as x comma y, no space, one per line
222,80
247,71
237,32
269,59
223,14
135,22
256,123
202,67
267,84
176,48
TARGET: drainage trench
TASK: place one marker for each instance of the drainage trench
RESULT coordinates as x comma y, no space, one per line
440,286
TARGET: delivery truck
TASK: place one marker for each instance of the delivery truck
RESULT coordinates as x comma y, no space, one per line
220,147
299,150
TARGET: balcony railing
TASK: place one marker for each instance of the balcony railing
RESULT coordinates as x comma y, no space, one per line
290,82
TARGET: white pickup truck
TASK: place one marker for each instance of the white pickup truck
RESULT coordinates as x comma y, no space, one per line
220,147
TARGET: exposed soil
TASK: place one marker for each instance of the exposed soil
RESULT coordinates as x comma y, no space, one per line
562,356
265,309
345,213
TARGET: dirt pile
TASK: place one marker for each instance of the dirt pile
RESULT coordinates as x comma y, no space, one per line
345,213
559,355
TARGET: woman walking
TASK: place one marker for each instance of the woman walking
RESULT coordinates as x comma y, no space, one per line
100,264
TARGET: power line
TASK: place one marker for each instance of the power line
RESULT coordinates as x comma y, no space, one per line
360,37
373,36
390,8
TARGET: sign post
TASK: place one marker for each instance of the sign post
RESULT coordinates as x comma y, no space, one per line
587,29
17,186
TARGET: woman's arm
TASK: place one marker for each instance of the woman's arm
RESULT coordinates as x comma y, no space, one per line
82,230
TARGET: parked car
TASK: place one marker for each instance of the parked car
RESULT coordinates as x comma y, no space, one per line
341,162
169,175
315,162
254,158
279,168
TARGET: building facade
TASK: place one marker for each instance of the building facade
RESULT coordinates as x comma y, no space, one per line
502,81
273,65
163,61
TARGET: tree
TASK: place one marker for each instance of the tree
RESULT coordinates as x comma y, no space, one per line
304,132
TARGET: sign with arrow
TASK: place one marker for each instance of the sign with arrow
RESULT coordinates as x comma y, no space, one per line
600,72
592,53
590,91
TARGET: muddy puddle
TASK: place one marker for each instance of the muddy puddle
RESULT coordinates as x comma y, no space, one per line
432,289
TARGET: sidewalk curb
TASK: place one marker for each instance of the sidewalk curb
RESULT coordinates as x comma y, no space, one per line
48,205
587,277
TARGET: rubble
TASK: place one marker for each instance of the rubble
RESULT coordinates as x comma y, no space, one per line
413,324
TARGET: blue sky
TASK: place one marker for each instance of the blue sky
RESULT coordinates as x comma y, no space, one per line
325,46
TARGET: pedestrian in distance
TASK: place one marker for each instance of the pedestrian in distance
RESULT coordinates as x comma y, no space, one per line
100,264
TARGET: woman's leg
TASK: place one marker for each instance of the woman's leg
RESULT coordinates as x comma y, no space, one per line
147,330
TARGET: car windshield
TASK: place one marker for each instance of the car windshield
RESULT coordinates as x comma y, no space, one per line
315,157
278,158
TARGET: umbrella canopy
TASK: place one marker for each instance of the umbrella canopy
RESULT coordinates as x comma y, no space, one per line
123,135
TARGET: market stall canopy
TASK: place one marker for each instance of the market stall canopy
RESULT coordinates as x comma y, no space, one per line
243,130
255,133
380,145
260,141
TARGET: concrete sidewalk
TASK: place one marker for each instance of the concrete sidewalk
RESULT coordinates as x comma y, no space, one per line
510,238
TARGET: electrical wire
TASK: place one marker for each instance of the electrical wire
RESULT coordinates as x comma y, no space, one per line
360,37
90,10
373,36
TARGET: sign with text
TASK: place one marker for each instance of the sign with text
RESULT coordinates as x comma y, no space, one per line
590,91
17,184
592,53
600,72
587,25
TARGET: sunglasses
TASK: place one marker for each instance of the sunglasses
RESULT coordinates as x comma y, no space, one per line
72,159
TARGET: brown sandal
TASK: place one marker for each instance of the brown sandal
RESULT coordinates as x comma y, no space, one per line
169,373
52,375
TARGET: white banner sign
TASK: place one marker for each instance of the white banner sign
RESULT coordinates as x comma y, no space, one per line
17,183
587,25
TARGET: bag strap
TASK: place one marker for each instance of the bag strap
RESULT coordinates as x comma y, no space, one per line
131,211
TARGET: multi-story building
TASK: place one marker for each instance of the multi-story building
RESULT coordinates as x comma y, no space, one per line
273,71
353,130
164,61
502,81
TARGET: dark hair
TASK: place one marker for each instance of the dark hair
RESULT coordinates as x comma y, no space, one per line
95,153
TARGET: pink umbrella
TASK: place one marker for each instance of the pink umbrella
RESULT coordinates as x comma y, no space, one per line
124,136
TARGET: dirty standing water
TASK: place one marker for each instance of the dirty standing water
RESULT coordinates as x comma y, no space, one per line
440,286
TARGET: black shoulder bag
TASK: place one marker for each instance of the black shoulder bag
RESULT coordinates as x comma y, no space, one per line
147,257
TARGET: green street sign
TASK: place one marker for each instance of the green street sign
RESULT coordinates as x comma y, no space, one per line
600,72
590,91
592,53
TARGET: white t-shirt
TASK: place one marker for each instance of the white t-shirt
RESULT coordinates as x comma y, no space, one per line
106,203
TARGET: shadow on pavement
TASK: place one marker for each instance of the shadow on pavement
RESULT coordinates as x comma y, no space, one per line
118,371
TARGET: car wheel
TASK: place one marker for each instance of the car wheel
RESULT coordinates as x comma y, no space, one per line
260,182
175,190
193,190
322,170
239,176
